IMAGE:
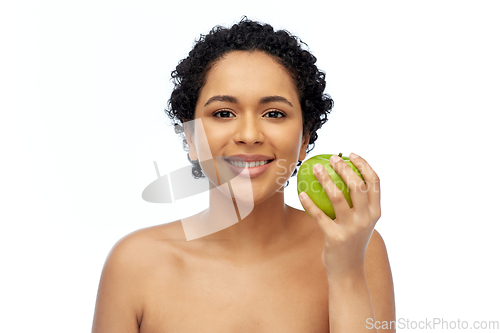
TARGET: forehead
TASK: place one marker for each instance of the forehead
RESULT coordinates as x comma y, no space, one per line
249,73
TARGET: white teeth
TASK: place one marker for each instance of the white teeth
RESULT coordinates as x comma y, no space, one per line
247,164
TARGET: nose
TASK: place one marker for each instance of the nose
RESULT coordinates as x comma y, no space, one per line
249,131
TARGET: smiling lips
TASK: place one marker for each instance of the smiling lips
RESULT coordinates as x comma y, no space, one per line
247,164
255,164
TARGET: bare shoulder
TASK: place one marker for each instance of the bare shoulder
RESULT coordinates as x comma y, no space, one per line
139,249
379,279
123,283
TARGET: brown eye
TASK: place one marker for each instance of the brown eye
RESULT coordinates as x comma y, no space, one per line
275,114
223,114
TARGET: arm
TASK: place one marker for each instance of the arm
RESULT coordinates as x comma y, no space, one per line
379,279
355,259
367,295
117,308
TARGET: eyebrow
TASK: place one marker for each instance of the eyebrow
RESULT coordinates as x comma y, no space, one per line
232,99
222,98
269,99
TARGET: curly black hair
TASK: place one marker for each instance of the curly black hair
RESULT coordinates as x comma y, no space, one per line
189,75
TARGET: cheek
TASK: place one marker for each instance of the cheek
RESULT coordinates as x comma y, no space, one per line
289,141
288,149
217,140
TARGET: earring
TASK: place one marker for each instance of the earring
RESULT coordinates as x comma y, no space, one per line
190,160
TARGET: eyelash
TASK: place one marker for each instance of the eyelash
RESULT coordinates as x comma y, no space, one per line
273,111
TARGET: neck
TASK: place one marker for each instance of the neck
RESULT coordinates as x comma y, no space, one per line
265,229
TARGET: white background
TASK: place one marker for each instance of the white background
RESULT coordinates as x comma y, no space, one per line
84,84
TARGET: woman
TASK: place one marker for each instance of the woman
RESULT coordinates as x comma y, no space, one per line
251,100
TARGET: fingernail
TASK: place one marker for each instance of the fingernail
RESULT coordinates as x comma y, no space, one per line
317,168
302,195
353,156
335,158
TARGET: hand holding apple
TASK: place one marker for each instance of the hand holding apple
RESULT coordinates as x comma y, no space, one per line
307,182
346,234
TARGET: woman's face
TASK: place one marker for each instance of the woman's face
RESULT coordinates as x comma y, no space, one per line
249,106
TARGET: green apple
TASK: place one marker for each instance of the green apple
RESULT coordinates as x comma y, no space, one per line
307,182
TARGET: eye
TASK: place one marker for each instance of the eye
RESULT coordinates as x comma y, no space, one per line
223,114
275,114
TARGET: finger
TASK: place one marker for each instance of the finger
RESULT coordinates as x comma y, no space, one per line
335,195
356,186
371,178
325,223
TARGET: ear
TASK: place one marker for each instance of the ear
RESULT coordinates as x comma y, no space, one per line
189,132
303,147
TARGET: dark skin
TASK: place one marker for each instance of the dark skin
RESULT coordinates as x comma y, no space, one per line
277,269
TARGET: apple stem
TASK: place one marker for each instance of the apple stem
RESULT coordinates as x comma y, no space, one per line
340,154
